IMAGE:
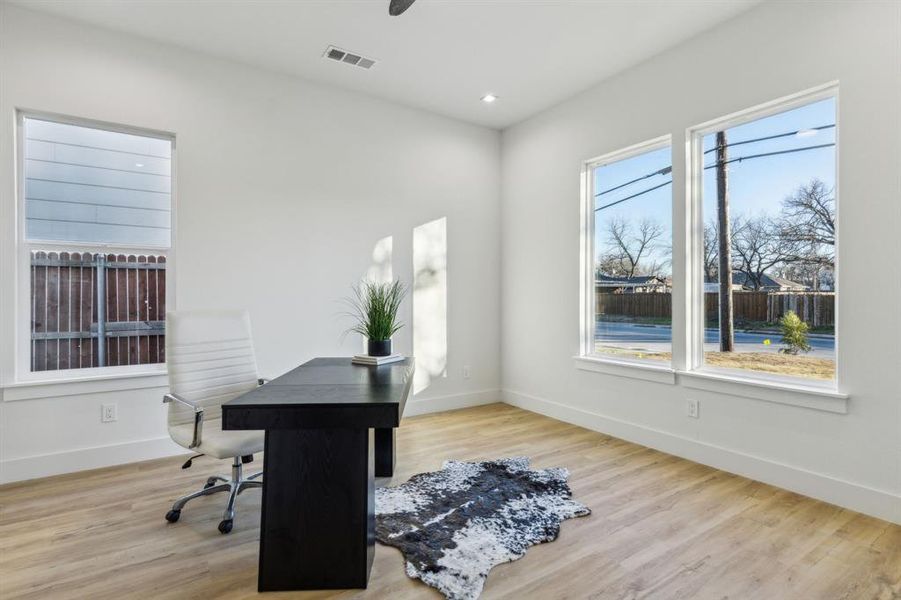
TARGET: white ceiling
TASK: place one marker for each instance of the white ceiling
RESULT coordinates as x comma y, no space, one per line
441,55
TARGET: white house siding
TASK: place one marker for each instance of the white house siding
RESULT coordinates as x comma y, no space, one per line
90,185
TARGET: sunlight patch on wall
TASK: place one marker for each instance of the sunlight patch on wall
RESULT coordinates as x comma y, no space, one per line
430,302
379,270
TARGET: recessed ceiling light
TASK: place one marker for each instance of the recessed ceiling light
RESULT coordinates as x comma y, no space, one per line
139,164
489,98
806,132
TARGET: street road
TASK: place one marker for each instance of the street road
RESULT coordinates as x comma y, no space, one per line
651,338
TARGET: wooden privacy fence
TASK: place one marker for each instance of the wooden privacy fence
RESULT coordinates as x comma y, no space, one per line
816,308
650,305
69,291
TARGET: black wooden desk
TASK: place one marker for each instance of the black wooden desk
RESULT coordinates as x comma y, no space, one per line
329,429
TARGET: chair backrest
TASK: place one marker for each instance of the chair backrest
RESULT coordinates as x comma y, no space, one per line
210,359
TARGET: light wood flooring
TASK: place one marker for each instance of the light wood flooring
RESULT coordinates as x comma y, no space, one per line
662,527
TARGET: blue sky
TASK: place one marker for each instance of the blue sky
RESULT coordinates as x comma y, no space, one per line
755,186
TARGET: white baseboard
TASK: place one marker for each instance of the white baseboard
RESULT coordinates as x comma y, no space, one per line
44,465
877,503
422,406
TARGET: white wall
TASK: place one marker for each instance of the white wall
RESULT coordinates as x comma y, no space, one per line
297,182
283,189
772,51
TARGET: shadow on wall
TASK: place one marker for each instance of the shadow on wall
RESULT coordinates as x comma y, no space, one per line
430,302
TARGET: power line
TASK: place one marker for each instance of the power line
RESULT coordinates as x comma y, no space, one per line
656,187
732,160
664,171
669,169
741,158
773,137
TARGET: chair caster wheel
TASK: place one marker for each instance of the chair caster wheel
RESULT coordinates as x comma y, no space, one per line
172,515
225,526
209,483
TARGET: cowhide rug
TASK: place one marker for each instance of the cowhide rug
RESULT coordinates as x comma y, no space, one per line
454,525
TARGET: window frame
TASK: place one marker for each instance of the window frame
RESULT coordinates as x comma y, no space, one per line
694,291
588,359
22,312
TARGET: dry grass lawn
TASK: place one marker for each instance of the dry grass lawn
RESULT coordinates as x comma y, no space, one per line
767,362
781,364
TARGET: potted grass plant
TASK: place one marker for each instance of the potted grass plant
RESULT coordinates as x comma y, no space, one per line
374,307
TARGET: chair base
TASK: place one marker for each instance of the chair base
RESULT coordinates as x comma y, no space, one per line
233,485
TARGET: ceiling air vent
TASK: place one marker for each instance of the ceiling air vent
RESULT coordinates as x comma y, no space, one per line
339,55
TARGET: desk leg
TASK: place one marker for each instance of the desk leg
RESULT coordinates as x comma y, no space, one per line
384,452
317,529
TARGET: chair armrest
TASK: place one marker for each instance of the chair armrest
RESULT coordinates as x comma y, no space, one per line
198,416
262,381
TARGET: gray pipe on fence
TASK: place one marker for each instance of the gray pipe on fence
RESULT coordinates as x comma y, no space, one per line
101,310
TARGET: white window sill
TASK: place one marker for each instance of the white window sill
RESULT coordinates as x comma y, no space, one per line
768,389
50,388
734,383
626,368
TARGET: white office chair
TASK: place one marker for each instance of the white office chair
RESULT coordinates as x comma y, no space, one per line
210,358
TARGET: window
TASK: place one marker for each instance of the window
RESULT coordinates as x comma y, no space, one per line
95,234
628,278
765,204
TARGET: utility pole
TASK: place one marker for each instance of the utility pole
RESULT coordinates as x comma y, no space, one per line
727,336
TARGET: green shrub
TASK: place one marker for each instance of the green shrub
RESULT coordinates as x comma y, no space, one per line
794,334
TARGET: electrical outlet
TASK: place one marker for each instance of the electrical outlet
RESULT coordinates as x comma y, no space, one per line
108,413
467,371
694,409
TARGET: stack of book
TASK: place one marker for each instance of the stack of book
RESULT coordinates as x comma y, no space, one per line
365,359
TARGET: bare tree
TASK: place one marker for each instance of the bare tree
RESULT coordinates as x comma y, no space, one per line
629,246
758,247
808,223
711,257
609,264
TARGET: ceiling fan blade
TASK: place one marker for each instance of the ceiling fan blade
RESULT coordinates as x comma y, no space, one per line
397,7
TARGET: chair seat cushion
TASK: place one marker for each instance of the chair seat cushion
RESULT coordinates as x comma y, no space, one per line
218,443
